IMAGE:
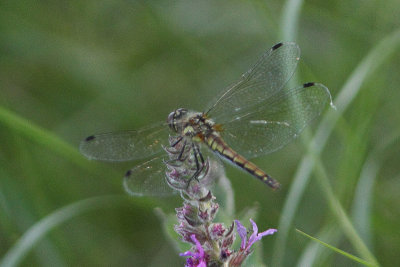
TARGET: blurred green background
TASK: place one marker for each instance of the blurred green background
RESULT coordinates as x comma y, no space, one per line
69,69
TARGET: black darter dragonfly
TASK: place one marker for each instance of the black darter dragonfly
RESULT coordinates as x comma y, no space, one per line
254,117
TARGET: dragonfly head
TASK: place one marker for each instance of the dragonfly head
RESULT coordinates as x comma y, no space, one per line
175,119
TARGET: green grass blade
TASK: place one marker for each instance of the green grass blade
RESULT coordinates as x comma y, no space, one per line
341,215
348,255
290,19
16,253
312,253
41,136
361,210
374,59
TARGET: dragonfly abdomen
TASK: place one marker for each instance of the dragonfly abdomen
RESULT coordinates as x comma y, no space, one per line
219,146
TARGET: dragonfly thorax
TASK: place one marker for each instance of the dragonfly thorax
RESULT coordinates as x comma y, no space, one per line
189,123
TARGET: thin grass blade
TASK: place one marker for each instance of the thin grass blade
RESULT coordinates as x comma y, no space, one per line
28,240
348,255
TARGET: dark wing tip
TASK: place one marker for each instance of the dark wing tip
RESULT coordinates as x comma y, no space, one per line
90,138
308,85
277,46
128,173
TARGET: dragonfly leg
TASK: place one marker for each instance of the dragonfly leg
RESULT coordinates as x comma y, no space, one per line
195,153
201,156
199,167
181,152
177,141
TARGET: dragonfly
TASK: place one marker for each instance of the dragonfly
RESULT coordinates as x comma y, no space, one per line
253,117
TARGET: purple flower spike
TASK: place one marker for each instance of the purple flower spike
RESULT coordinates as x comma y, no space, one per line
197,259
255,236
242,233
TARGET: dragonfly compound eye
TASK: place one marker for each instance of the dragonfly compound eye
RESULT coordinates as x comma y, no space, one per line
174,117
180,112
171,120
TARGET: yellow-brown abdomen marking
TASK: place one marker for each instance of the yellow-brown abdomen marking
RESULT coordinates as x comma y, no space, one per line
210,141
219,146
229,153
214,145
239,160
250,166
259,172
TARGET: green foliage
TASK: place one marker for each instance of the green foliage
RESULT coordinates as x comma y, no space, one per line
71,69
352,257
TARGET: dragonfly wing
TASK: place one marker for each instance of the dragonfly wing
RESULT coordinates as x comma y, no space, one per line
126,145
148,179
268,76
275,122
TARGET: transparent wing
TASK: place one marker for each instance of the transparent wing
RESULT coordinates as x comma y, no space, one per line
269,75
148,179
275,122
126,145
